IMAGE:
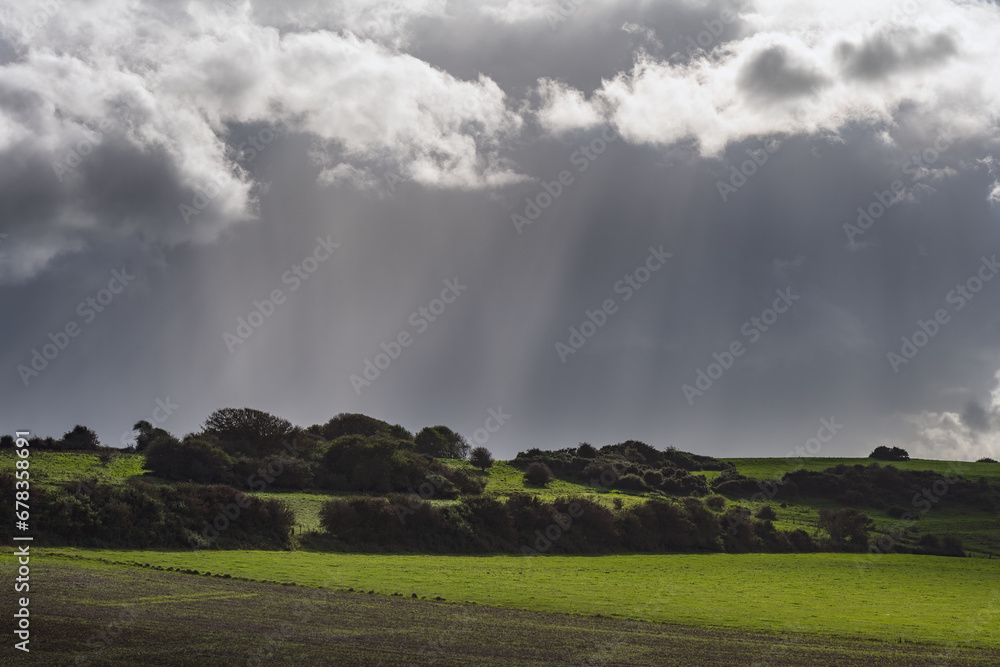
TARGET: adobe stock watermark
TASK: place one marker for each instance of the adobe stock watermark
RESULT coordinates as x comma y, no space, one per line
827,431
494,422
559,11
259,482
88,309
926,330
94,133
752,329
885,199
594,320
714,28
161,413
738,177
37,21
213,187
420,320
294,278
552,190
921,503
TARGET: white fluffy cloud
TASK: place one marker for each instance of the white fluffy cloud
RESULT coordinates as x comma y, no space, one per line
116,113
804,68
961,436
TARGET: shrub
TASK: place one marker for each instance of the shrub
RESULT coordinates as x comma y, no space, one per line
538,474
631,483
986,459
897,512
652,478
846,526
80,437
481,458
586,451
191,460
766,513
715,502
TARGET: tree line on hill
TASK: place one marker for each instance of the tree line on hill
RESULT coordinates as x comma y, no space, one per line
250,449
396,472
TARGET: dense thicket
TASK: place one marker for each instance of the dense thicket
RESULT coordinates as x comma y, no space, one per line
525,524
141,515
872,486
350,463
630,466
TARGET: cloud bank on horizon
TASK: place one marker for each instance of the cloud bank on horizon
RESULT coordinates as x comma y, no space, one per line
124,128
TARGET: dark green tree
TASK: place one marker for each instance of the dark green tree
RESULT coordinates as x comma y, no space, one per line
248,431
481,458
441,443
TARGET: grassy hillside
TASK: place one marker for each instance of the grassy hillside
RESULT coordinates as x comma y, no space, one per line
895,598
503,479
979,530
774,468
51,468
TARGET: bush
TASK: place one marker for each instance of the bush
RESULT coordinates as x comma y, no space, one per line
766,513
80,437
481,458
586,451
846,526
652,478
986,459
897,512
191,460
538,474
631,483
715,502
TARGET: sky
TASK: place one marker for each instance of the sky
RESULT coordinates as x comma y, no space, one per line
741,228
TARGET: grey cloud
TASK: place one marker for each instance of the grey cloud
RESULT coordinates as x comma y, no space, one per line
774,75
899,50
977,418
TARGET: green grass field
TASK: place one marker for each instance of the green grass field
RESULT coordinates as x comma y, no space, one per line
50,468
503,479
892,598
774,468
86,612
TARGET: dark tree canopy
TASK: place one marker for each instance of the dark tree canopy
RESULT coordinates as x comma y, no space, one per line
189,460
481,458
145,434
441,443
347,423
883,453
248,431
80,437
